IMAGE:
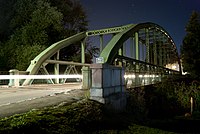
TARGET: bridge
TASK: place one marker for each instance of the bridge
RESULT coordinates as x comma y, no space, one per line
131,55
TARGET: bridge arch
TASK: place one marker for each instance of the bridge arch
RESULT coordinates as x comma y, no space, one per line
111,51
112,48
38,61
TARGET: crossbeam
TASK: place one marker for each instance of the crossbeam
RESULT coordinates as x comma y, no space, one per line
108,30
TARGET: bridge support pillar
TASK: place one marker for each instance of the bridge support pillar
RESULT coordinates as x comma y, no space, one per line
86,81
108,86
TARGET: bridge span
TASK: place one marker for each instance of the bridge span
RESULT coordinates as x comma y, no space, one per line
130,56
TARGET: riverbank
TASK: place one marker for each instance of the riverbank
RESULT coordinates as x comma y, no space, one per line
86,117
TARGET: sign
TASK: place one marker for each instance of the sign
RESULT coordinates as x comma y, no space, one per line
100,60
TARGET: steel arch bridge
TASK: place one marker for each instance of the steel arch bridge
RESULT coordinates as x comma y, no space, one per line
146,50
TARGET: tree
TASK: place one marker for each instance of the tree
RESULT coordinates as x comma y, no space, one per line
31,31
190,49
74,16
6,15
74,21
33,25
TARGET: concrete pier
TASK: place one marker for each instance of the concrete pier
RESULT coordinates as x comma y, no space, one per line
108,86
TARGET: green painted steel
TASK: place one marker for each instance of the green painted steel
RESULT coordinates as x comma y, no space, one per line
101,43
157,46
56,67
147,45
49,52
114,45
154,48
83,51
137,52
110,51
111,30
132,47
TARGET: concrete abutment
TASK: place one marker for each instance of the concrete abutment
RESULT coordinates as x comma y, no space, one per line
108,86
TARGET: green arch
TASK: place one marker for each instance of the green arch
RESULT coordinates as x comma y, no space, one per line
110,51
50,51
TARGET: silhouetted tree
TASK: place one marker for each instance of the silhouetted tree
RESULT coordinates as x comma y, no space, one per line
190,49
30,25
33,25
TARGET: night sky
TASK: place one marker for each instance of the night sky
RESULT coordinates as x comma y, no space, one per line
172,15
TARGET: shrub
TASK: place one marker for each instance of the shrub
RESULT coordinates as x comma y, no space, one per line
136,103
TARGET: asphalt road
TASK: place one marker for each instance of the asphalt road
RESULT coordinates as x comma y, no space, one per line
23,99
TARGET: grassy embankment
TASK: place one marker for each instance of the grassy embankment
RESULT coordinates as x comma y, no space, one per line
151,110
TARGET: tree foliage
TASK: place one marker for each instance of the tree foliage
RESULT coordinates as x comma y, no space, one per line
33,25
190,49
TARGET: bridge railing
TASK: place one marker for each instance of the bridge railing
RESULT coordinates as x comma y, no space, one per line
16,77
139,73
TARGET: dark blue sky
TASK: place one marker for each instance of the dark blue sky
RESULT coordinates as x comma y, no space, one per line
172,15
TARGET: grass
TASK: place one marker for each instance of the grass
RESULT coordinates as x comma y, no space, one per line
63,119
82,117
148,112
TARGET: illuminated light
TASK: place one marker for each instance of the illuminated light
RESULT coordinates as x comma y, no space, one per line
133,76
140,76
129,76
126,76
173,67
6,77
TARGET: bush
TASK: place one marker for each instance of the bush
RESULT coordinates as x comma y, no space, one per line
166,99
184,92
136,104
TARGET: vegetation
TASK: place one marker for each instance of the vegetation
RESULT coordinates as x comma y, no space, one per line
33,25
152,109
173,96
190,50
83,117
57,120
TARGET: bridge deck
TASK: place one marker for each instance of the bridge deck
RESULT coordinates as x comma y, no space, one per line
23,99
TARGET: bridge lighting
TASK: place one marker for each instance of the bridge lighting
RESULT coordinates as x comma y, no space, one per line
140,76
6,77
154,76
130,76
174,67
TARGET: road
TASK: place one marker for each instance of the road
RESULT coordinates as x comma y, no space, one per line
23,99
